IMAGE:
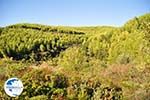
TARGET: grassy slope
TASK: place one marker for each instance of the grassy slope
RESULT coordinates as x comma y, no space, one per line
78,62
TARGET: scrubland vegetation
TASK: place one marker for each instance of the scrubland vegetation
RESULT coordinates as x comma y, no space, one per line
77,63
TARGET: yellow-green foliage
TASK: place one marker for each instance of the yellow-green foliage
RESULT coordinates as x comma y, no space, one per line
73,59
29,43
77,63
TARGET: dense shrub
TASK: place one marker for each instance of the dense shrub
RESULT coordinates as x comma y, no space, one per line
73,59
26,44
98,45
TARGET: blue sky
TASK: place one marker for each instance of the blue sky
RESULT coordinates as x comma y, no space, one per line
71,12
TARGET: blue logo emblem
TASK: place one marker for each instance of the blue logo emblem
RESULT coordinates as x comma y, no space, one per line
13,87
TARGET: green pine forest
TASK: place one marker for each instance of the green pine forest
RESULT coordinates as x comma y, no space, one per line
77,63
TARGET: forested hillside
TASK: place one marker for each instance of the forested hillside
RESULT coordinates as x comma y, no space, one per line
78,63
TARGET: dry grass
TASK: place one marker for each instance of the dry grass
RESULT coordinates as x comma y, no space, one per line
135,83
115,73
